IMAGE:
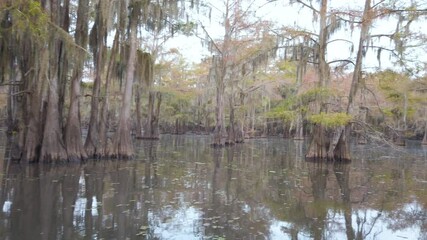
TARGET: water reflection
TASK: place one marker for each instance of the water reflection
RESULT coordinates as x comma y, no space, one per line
180,188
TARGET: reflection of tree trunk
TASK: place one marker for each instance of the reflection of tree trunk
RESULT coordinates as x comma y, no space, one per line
215,206
342,173
123,178
26,204
318,176
150,151
90,192
230,156
69,191
48,203
215,180
94,187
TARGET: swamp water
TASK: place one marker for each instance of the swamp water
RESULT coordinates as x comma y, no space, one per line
181,188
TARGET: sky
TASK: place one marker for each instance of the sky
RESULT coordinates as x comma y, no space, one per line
285,15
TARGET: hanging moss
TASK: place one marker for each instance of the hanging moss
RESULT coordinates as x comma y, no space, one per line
144,68
27,17
331,119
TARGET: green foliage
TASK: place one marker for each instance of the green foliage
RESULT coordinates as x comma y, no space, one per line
293,104
176,105
287,67
283,114
315,94
330,119
28,16
86,85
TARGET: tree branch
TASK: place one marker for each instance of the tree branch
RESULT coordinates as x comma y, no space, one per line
342,60
209,36
308,6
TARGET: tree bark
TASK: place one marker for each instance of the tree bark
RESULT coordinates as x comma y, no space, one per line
361,138
73,136
219,131
342,151
138,107
103,121
34,131
122,143
92,144
424,142
299,128
338,148
63,61
52,149
151,128
318,146
231,131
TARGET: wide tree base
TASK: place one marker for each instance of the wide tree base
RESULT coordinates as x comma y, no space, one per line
329,146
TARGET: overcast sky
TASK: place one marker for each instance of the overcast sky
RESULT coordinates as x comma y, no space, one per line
285,15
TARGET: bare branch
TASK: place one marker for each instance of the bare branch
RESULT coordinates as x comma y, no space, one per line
340,40
213,42
310,6
342,60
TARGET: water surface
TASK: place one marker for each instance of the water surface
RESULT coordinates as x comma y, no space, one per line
180,188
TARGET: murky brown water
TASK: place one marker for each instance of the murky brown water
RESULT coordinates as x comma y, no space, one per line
180,188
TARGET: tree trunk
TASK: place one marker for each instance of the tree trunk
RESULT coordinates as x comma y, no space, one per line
342,151
231,131
52,149
33,127
424,142
338,148
103,121
151,128
92,144
219,131
73,138
122,143
299,128
138,107
92,140
361,138
318,146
